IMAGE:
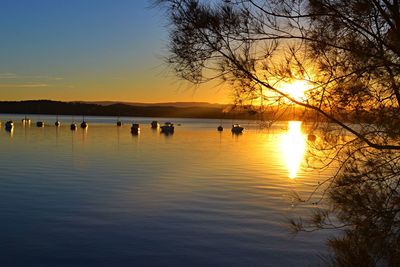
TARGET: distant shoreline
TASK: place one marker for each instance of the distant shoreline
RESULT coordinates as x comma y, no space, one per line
200,110
162,110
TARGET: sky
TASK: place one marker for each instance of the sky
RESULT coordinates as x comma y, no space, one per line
90,50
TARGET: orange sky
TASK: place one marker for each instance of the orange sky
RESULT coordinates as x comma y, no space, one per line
90,51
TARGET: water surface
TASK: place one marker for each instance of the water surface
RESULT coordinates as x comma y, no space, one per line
103,196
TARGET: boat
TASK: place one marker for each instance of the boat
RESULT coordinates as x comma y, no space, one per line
220,128
73,126
40,124
57,123
26,120
9,125
237,129
135,129
154,124
167,128
119,122
84,125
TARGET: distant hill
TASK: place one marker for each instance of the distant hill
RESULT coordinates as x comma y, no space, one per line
170,110
182,110
163,104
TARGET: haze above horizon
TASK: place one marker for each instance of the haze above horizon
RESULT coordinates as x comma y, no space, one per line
93,50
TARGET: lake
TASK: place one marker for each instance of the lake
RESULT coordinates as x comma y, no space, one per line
105,197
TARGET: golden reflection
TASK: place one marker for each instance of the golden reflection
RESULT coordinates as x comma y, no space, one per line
293,145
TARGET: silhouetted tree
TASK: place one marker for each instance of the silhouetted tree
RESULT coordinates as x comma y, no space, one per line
347,51
365,203
348,54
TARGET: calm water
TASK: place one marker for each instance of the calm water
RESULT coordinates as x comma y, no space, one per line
198,197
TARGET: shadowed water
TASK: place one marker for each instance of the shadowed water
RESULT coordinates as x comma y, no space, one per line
198,197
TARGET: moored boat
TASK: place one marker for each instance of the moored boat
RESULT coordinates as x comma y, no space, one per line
135,129
84,125
26,120
154,124
9,125
168,128
237,129
57,123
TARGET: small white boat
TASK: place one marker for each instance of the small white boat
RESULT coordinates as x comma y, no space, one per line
40,124
168,128
73,126
135,129
237,129
154,124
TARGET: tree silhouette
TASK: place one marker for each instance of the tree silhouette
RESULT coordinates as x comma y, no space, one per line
347,51
348,54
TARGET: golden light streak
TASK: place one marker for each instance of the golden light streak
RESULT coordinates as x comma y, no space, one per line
293,145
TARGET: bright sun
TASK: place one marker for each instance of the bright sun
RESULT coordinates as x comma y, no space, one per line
296,90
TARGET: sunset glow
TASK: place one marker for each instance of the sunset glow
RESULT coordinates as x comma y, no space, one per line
222,133
296,89
109,51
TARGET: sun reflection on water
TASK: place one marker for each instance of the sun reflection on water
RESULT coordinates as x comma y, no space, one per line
293,145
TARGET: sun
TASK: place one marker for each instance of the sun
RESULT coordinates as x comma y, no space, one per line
296,89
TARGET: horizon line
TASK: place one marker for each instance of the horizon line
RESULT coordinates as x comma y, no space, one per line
115,101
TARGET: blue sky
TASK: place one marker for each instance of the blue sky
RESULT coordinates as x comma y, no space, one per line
88,50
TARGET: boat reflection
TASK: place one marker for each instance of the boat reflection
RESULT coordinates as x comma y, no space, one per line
10,131
293,145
